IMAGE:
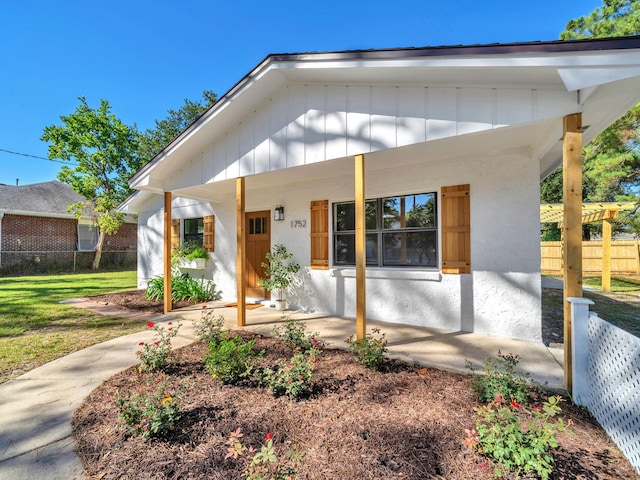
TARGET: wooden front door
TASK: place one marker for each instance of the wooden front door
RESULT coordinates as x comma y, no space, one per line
258,244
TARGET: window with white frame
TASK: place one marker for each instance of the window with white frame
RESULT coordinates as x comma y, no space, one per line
87,237
401,231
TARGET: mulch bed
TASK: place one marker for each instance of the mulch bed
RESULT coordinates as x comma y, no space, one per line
402,422
135,300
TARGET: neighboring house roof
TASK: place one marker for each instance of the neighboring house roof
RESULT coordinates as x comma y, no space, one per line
597,77
46,199
49,199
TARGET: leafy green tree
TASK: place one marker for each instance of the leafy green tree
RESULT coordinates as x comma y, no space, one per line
611,160
616,18
106,153
155,139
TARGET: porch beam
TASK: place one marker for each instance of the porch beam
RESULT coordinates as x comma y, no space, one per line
241,242
571,228
361,261
606,251
167,253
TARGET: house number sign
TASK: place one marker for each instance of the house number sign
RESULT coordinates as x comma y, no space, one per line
298,224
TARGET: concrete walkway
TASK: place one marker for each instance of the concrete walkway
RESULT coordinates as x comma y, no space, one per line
35,429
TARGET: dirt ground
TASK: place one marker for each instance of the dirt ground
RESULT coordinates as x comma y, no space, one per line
402,422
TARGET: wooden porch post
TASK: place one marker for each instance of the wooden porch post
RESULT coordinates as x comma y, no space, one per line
167,253
606,250
571,227
361,261
241,239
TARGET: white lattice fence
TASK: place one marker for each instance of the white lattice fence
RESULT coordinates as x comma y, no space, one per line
613,379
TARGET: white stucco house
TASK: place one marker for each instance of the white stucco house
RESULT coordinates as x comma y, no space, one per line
454,140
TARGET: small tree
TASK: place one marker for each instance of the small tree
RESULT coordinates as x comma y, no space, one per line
106,153
279,271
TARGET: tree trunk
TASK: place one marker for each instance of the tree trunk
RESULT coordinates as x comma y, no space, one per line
96,259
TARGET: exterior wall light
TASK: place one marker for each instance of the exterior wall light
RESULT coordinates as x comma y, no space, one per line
278,213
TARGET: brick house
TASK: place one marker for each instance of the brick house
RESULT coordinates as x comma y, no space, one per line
38,233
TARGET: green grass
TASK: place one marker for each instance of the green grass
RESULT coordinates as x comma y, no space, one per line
620,307
618,284
35,328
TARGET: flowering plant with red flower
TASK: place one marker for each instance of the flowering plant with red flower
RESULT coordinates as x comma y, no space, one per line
522,437
154,355
264,463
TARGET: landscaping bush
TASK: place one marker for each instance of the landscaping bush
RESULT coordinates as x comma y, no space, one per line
183,287
501,377
293,332
209,328
293,378
149,413
154,355
518,438
369,350
231,359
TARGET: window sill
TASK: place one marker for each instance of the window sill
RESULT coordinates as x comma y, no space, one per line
390,273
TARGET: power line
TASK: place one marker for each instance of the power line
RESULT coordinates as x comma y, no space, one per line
36,156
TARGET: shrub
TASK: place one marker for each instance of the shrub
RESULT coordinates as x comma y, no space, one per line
369,350
209,328
500,376
516,437
231,359
154,355
292,379
183,287
293,332
264,464
149,414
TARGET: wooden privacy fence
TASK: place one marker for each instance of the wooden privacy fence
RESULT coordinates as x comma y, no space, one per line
625,257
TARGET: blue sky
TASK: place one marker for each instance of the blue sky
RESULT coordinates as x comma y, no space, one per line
146,57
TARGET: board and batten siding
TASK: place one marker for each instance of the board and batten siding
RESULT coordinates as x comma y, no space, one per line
305,124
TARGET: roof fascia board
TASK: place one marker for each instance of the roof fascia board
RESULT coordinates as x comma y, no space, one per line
222,103
579,59
579,78
26,213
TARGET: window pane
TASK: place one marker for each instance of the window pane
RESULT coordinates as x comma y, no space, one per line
87,237
194,230
194,225
371,214
372,249
345,216
345,249
409,211
415,249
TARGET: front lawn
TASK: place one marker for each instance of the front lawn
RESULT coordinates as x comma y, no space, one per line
35,328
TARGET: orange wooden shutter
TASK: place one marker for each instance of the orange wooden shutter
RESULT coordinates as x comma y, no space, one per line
175,234
456,229
209,232
320,234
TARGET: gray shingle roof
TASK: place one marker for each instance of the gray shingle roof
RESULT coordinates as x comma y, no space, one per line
51,198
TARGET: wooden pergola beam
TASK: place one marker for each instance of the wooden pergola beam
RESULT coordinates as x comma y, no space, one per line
606,251
167,253
361,261
241,242
572,228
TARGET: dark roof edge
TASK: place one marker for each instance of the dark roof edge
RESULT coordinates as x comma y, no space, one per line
553,46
